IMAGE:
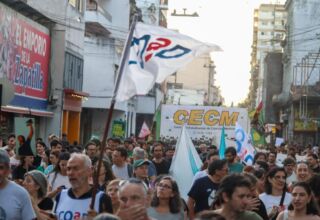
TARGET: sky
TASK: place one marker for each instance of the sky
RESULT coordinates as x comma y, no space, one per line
229,24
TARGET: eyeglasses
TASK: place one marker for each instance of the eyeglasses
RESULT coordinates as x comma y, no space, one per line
164,186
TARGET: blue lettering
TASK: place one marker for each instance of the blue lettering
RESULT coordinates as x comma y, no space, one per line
180,51
28,77
136,41
239,139
68,215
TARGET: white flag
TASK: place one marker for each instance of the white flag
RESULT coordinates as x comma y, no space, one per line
145,131
156,53
245,150
185,163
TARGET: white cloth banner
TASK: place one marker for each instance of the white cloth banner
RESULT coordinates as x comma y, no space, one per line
185,163
156,53
244,147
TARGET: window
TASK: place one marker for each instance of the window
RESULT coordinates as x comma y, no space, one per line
73,72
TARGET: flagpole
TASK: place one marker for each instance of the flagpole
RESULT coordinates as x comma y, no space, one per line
111,109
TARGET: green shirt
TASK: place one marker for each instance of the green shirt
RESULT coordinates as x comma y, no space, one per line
247,215
235,168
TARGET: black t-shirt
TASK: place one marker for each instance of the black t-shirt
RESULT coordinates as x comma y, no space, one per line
46,204
316,170
262,212
203,192
162,167
105,204
37,161
19,171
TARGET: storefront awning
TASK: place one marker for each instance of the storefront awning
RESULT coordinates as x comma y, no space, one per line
26,111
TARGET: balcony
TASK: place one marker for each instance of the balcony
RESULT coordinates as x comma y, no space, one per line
97,19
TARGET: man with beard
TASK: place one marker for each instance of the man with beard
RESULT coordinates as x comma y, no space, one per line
74,203
234,166
15,202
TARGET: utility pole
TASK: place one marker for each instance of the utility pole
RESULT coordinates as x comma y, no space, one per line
211,80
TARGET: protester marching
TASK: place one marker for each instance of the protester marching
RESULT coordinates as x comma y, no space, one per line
224,176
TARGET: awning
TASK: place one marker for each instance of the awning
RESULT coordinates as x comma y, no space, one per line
26,111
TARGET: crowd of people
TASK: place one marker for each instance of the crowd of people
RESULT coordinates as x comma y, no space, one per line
133,182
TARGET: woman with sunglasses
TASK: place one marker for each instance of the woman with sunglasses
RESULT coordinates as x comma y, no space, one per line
166,202
275,198
303,205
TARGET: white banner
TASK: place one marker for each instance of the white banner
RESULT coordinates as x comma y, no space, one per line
204,123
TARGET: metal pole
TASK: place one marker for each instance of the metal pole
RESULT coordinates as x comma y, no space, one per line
111,109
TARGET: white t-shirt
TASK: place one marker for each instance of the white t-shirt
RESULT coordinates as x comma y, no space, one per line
121,172
269,201
58,181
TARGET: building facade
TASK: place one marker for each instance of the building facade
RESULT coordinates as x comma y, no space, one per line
268,31
62,24
299,98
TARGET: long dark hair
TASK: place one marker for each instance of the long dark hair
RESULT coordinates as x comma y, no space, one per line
174,202
57,169
271,174
109,173
312,207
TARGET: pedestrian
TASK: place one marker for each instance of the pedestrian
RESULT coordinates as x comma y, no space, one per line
26,164
58,179
75,202
140,170
303,205
275,198
272,156
234,195
303,172
40,153
203,191
106,175
234,166
15,202
36,184
289,165
112,191
166,201
255,204
121,169
134,200
313,163
161,164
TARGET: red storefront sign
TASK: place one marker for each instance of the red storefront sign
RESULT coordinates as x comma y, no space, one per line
24,58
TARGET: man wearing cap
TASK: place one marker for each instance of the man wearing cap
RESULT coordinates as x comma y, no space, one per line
15,202
140,170
138,154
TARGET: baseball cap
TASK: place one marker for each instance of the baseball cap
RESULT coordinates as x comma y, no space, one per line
139,163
